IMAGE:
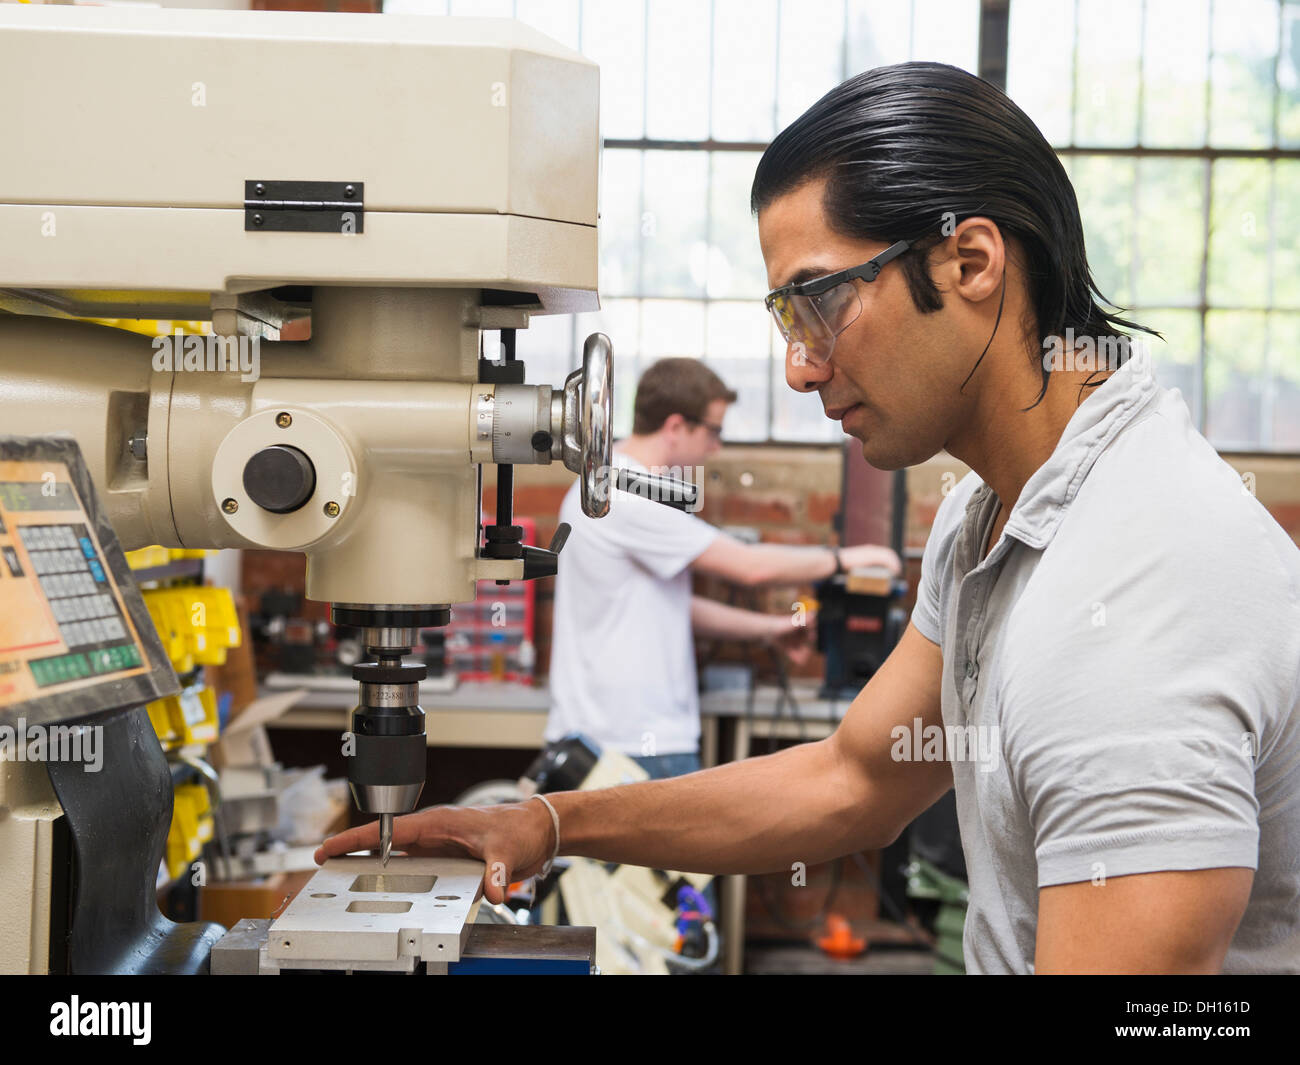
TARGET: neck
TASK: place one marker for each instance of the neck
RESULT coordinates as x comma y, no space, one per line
649,450
1006,444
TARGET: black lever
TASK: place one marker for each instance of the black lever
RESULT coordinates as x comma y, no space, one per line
545,561
680,495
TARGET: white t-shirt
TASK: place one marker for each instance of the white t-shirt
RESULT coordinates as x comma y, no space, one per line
622,656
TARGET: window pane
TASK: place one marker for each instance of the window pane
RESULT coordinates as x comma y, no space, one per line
677,54
1286,232
947,31
744,70
736,262
1239,234
1175,60
558,19
1241,73
1284,347
614,36
620,222
1288,79
879,33
620,321
1176,360
674,245
1106,90
1170,229
810,55
672,328
737,345
1039,79
1235,346
1104,186
546,348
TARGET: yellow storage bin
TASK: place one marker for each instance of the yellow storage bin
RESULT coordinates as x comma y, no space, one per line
160,717
148,557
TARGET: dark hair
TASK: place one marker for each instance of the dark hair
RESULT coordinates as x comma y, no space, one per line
908,147
676,386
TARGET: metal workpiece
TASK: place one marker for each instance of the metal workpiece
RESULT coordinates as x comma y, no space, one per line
357,914
488,949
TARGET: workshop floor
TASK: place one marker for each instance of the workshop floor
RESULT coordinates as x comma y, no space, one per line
769,959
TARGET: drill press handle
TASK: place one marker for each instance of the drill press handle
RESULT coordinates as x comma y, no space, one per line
588,442
587,439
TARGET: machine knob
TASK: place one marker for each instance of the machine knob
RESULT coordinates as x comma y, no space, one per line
279,478
588,431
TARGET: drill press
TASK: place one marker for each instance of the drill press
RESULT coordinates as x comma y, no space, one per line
466,204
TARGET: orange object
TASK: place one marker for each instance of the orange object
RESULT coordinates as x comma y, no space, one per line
839,940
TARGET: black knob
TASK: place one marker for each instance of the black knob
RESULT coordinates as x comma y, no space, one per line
279,478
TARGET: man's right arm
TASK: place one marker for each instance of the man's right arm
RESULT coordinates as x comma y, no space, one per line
757,564
808,803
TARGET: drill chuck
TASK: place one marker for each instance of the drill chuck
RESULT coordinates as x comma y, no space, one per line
386,770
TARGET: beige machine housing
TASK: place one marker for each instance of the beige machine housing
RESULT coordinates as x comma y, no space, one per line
473,146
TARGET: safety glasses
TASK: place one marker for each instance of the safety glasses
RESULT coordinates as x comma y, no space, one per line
811,314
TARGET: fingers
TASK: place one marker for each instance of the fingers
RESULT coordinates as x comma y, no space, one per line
406,833
496,878
511,840
363,837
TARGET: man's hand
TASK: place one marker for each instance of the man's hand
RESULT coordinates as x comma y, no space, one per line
795,640
514,839
860,556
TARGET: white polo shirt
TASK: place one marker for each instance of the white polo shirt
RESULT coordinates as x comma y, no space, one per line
1130,649
622,654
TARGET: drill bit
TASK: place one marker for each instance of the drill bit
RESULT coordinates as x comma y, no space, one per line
385,836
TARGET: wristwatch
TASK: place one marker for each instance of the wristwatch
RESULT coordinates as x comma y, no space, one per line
839,562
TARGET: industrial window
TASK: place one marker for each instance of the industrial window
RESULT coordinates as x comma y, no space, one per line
1178,120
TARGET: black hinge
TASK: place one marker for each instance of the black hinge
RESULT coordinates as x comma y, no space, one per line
304,206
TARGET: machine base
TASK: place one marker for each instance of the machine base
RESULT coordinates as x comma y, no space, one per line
489,950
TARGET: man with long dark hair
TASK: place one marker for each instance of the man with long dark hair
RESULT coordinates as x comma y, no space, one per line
1104,658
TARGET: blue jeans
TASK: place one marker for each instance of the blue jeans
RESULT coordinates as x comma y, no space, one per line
662,766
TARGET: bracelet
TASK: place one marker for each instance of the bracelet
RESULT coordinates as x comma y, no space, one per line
839,562
555,820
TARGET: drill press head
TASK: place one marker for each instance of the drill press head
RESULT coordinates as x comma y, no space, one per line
386,766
